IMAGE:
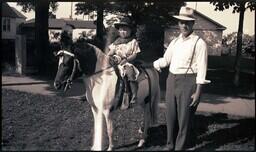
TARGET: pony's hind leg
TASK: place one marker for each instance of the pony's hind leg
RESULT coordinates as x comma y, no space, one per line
109,123
146,123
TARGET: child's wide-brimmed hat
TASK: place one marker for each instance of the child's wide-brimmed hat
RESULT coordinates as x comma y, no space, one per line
125,21
185,14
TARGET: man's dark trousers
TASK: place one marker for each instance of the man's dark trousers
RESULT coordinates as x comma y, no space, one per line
179,89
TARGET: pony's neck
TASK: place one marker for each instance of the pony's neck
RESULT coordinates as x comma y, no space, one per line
102,60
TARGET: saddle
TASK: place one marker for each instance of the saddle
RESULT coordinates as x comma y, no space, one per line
122,92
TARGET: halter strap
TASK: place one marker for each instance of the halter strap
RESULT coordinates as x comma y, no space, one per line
66,52
69,80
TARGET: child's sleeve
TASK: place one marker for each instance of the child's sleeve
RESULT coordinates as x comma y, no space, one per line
135,47
111,50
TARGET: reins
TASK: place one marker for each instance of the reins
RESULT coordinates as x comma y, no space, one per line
75,65
69,80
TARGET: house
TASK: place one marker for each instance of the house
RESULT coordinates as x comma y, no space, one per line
56,25
11,19
206,28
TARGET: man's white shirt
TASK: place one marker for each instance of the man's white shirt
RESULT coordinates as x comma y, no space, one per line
179,54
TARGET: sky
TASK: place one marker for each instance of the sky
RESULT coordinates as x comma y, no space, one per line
225,18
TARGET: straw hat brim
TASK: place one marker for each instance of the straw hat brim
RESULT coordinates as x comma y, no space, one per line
185,18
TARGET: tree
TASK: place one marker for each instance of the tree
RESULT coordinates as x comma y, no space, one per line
238,7
230,43
152,18
41,8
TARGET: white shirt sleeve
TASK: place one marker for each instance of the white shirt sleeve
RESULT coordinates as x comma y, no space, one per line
166,59
201,61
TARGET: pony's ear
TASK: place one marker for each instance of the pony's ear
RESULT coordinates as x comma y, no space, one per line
55,53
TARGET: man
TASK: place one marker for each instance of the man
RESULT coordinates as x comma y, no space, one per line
186,57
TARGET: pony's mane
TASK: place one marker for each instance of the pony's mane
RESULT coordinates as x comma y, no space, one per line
97,50
88,55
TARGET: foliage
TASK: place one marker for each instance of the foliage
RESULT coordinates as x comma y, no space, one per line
230,42
30,6
154,12
54,36
221,5
238,7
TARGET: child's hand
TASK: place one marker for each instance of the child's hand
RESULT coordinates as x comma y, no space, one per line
123,61
112,61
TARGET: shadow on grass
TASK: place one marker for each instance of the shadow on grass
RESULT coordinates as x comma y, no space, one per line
211,132
222,84
77,89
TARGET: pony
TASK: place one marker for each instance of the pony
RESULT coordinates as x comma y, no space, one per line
101,83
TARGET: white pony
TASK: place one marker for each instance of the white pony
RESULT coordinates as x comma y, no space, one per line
102,83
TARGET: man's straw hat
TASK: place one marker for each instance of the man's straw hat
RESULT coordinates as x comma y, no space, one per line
186,14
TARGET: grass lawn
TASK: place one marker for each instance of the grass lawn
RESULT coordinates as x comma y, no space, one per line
221,83
221,75
38,122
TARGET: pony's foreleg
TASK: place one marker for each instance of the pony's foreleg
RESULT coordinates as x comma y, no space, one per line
109,123
97,132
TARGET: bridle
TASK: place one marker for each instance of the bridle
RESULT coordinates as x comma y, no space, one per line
76,64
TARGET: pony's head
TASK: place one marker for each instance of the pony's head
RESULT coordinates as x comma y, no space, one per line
65,69
73,63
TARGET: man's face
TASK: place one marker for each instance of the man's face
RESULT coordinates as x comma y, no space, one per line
186,27
124,31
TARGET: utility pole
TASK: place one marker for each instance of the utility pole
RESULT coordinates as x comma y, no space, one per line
71,11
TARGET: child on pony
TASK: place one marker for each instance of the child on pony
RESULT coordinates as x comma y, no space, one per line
123,52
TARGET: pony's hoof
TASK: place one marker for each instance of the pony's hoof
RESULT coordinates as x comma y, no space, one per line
140,130
95,149
141,143
110,148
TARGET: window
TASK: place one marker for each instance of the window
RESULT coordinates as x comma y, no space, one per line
6,24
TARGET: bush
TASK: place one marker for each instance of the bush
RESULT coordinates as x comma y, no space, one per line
229,43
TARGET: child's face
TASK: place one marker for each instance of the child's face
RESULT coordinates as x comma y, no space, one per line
124,31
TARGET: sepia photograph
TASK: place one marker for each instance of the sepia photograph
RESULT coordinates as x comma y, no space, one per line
137,75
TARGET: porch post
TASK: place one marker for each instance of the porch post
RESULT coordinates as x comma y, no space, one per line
20,54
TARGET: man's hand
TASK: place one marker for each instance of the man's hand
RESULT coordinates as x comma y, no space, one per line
156,67
196,96
195,100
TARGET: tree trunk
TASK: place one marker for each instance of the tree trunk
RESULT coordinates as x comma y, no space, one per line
100,26
41,33
239,45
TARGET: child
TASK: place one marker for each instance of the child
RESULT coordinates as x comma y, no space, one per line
124,50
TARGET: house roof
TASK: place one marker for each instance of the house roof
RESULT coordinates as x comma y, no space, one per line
18,13
215,25
218,25
11,12
59,23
